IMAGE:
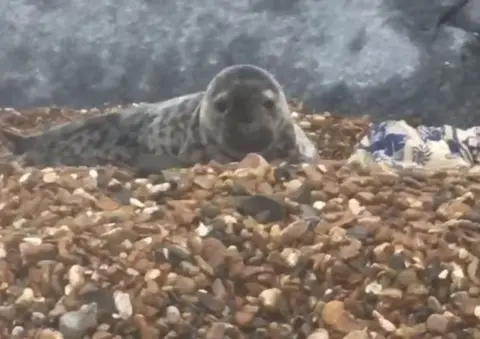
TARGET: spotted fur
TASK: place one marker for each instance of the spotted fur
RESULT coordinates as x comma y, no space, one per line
243,110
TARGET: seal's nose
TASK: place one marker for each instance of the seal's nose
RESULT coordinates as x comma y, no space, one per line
243,104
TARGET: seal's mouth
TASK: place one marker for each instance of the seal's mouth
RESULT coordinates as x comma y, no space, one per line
252,142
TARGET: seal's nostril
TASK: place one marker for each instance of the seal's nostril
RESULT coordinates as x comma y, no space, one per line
221,105
269,104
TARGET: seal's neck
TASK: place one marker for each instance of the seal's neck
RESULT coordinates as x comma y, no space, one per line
193,149
283,139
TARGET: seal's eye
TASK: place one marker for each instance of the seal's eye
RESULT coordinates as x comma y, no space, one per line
221,105
269,104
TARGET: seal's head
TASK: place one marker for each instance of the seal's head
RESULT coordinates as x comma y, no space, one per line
243,110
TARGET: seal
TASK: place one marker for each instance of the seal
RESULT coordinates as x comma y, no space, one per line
243,110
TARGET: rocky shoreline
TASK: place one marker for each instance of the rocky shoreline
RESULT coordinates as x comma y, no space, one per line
247,250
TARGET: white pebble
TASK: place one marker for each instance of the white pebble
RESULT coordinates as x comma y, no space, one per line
146,241
24,177
463,254
202,230
322,168
163,187
173,315
270,297
19,223
319,205
386,324
26,297
76,276
320,333
123,304
131,271
374,288
305,124
113,182
3,252
127,244
355,206
137,203
150,210
476,311
33,241
67,289
93,173
152,274
443,275
457,272
50,177
230,219
141,181
18,331
103,327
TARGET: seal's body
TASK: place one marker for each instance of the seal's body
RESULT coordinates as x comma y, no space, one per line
243,110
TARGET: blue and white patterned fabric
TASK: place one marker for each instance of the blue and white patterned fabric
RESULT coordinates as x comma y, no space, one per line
398,145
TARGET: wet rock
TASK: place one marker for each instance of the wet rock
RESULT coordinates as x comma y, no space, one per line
76,324
262,208
294,232
437,323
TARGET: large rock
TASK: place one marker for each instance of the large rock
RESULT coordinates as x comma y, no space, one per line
388,58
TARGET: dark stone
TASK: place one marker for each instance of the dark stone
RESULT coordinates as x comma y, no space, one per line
121,195
282,173
262,208
209,211
104,299
397,262
473,216
302,195
389,58
358,232
211,303
309,213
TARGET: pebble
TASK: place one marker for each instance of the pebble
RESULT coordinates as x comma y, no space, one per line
48,333
50,177
173,315
75,324
123,304
332,312
293,232
319,205
358,334
386,324
320,333
270,298
262,208
437,323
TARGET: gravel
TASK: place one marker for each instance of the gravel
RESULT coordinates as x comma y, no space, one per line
245,250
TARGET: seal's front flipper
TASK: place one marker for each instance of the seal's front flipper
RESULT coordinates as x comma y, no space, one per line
16,143
305,150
